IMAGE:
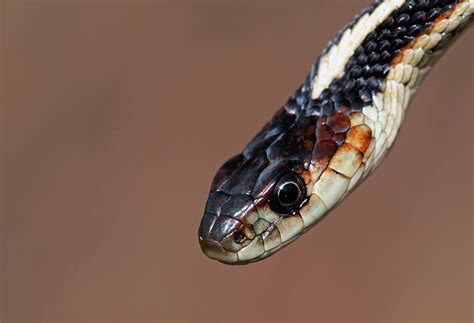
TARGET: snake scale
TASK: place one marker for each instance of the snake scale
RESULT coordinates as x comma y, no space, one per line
332,132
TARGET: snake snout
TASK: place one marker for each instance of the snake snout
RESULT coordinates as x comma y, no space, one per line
212,231
227,226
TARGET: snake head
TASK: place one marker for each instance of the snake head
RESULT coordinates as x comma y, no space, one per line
253,206
287,178
243,221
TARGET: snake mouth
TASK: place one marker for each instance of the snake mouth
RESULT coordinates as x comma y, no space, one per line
212,231
253,252
223,238
214,250
240,244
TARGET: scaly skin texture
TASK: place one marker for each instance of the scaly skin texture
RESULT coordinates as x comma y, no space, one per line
332,132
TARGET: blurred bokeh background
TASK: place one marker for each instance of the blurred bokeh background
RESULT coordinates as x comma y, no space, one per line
116,115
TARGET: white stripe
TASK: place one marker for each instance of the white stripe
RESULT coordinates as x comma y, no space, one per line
332,64
402,81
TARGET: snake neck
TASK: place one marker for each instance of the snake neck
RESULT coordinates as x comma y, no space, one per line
371,70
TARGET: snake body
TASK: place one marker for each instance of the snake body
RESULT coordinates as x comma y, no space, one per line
332,132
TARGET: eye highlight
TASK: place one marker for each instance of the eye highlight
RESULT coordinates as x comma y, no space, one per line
288,195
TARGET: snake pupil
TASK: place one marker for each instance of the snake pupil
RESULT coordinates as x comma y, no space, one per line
288,194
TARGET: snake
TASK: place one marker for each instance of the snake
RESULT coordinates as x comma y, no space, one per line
331,133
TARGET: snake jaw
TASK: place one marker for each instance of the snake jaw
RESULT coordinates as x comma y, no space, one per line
239,226
215,250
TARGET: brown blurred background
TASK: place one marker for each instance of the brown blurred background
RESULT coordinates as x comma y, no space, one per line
117,115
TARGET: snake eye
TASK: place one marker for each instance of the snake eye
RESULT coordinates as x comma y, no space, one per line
288,195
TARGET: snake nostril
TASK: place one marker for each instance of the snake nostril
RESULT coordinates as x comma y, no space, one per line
239,237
